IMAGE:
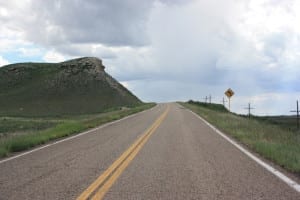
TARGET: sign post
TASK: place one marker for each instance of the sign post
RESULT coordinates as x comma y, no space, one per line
229,93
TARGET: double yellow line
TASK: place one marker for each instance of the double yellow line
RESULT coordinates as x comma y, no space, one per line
102,184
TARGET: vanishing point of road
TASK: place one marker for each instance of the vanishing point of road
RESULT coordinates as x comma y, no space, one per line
162,153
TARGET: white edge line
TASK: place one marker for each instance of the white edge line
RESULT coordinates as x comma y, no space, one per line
277,173
72,137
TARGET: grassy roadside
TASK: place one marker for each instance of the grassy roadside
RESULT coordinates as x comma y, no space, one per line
18,134
274,142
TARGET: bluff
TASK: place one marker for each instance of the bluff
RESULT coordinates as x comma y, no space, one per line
78,86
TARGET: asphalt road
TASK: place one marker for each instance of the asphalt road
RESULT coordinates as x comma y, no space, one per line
163,153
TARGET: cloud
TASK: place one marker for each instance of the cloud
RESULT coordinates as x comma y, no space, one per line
97,50
109,22
3,61
29,52
191,42
53,56
197,49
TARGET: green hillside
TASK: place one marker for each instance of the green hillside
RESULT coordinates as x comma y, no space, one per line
77,86
275,138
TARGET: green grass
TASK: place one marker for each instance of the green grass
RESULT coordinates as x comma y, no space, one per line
273,141
30,140
61,127
22,125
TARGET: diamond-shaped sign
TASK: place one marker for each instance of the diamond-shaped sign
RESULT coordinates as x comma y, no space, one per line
229,93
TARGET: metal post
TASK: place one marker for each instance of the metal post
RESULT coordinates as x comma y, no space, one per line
223,101
297,115
249,110
297,112
229,93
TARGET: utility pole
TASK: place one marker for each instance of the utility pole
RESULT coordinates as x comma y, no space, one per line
205,99
297,111
223,101
209,99
249,108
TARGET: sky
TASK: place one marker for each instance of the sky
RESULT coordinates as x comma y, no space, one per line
169,50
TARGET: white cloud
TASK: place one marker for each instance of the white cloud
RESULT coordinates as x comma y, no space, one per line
3,61
53,56
125,84
30,52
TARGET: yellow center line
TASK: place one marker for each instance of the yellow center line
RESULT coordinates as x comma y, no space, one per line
109,176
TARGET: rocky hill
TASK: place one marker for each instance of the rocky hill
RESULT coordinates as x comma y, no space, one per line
78,86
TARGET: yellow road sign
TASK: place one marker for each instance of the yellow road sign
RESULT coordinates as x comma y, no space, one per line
229,93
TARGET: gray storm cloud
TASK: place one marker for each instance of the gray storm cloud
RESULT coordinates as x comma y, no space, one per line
109,22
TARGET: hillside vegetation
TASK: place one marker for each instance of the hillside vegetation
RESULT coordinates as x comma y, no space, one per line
73,87
269,138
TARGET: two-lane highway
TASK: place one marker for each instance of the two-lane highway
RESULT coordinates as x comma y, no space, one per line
163,153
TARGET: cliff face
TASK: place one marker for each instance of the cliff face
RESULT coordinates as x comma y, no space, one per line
76,86
91,65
